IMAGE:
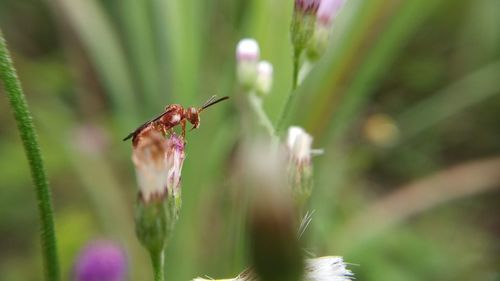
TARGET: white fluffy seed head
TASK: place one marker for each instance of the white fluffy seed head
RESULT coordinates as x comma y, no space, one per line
329,268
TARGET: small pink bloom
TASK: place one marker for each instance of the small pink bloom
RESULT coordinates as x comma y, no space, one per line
175,158
247,50
307,6
158,163
328,10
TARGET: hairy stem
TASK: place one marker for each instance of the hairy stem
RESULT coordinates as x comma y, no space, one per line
29,138
158,260
295,79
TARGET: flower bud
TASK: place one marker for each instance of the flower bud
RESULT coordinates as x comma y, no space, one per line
101,261
319,42
303,23
307,6
158,162
247,58
264,77
328,10
299,144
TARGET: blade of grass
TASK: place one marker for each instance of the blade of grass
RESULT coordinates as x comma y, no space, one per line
405,19
460,181
139,38
29,138
472,89
103,46
177,26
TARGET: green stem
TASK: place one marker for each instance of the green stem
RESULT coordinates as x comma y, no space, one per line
296,59
29,138
295,79
158,260
256,104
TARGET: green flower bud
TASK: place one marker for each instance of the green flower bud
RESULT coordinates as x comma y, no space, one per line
303,23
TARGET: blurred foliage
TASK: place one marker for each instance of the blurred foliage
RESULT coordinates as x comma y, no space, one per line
94,69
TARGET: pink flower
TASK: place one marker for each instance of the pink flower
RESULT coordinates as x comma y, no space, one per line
328,10
247,50
158,164
247,58
307,6
175,158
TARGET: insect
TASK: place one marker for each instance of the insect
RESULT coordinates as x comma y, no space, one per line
174,115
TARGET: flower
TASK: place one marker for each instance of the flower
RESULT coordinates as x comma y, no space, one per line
318,41
264,77
329,268
175,158
247,50
101,261
158,164
307,6
328,10
247,57
299,144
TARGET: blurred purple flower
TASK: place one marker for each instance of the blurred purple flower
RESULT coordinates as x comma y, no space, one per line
101,261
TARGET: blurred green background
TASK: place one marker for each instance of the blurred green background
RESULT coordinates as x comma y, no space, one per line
405,103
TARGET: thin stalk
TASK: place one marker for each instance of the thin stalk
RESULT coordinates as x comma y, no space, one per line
256,104
295,78
30,142
158,260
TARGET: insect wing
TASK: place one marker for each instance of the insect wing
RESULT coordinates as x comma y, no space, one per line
140,128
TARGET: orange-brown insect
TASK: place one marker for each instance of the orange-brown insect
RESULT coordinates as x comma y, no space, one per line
174,115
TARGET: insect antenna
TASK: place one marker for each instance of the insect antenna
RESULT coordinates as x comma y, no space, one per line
212,101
